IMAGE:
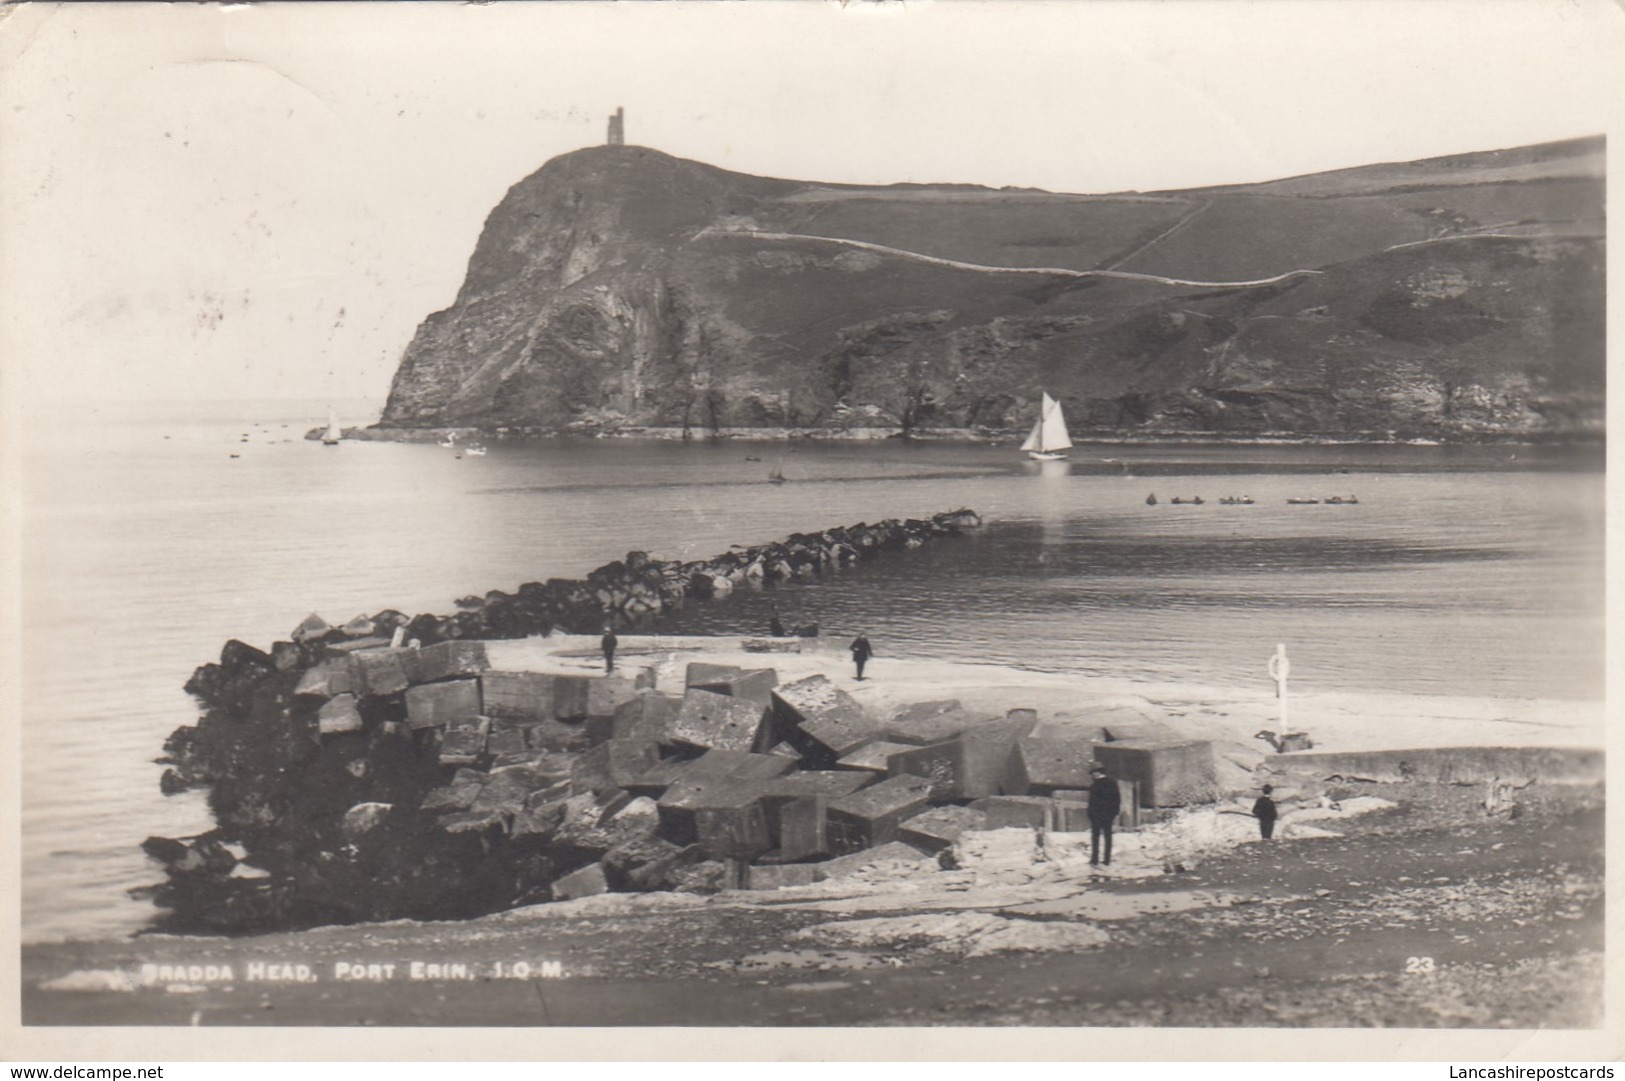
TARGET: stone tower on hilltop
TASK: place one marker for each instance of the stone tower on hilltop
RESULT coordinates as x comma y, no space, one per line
617,127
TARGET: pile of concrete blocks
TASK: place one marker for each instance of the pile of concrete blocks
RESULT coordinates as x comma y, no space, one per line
738,781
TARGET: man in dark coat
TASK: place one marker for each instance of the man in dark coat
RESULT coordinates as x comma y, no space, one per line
608,644
1265,811
1104,805
861,652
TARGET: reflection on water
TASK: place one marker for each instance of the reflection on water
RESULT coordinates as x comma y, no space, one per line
146,545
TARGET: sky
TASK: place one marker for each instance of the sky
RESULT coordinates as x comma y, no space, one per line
264,201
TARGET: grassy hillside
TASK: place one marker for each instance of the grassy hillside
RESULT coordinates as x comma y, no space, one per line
1458,297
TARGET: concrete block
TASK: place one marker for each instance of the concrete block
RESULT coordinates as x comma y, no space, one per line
803,832
732,832
871,816
780,876
1002,812
517,695
831,784
446,660
464,744
971,765
354,645
873,757
615,763
820,720
538,820
700,673
646,716
939,827
506,739
589,881
571,696
452,797
1072,815
505,795
857,862
784,750
925,723
1171,773
1124,731
326,679
314,626
755,684
1040,767
1023,716
379,671
338,714
707,719
606,694
436,705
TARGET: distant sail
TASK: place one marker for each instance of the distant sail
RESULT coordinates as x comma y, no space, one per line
334,433
1049,435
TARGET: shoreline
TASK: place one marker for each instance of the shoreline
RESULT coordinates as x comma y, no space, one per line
969,436
1360,868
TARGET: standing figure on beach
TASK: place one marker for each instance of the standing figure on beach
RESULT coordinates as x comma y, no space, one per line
1105,803
775,626
1264,810
608,644
861,652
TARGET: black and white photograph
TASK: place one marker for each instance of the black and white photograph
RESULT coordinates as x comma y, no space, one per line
730,519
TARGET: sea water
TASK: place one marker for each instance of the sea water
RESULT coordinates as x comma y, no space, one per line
149,538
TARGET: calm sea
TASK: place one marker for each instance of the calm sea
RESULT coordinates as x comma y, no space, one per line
149,540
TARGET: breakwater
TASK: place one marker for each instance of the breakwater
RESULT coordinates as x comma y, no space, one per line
382,769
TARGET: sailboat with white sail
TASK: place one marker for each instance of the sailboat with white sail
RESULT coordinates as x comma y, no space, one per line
1048,441
334,433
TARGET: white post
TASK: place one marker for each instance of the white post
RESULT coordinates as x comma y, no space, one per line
1280,668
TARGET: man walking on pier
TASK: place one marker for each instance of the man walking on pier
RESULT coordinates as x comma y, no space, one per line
861,652
1104,804
608,644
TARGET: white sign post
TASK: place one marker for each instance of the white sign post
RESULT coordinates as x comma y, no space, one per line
1280,668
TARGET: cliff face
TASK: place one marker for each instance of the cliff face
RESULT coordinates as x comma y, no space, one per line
617,285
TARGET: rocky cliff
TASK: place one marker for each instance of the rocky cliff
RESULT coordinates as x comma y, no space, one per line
617,286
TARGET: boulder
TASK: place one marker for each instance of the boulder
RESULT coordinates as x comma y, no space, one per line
314,626
507,739
588,881
871,816
363,818
803,832
720,721
1170,773
517,695
939,827
438,705
337,715
507,794
831,784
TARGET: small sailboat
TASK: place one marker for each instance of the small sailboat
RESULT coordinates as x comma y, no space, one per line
1048,441
775,475
334,433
